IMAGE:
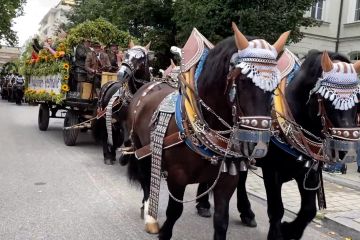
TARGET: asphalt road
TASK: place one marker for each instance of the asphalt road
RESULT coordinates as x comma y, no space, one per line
51,191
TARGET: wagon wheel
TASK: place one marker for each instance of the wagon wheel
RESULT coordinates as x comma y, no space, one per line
43,117
70,135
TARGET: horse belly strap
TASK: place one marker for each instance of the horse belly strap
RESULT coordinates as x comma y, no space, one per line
169,141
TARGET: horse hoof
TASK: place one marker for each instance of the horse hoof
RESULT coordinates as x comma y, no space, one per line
109,161
248,221
204,212
152,228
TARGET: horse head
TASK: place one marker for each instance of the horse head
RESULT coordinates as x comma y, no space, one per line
336,96
253,76
135,67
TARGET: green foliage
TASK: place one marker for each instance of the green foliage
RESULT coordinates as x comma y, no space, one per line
261,18
99,29
169,22
146,20
9,10
8,68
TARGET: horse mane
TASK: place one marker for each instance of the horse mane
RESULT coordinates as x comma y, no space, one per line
216,66
312,63
310,71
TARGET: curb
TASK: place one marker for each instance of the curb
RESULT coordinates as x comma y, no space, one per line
343,182
327,222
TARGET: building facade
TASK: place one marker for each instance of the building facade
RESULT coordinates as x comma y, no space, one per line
8,54
339,31
54,18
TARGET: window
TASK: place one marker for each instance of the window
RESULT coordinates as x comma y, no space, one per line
355,56
317,9
357,11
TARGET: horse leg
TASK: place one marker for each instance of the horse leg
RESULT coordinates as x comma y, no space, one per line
247,216
100,134
124,159
173,210
146,190
223,191
203,204
108,152
275,205
295,229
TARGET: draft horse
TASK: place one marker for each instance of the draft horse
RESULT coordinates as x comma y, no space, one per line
234,89
133,73
320,102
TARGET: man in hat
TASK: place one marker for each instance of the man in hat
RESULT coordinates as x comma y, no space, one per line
113,53
81,52
96,62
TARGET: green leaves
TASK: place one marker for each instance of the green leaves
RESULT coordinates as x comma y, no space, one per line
9,10
100,29
169,22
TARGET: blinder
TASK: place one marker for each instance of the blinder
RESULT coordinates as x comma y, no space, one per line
127,69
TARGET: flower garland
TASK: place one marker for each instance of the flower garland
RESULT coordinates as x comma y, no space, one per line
43,67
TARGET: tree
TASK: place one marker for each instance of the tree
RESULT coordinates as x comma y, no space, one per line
146,20
169,22
99,29
261,18
9,10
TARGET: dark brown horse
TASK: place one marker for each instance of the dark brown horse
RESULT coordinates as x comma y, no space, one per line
234,89
133,73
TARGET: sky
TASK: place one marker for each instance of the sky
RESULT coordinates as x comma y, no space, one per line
27,25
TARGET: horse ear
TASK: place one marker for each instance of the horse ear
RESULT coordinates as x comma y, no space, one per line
172,63
131,44
280,43
147,47
357,66
240,39
326,62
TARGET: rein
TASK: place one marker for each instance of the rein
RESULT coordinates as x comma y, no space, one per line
302,143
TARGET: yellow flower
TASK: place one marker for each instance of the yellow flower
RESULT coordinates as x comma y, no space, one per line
56,54
66,77
66,66
65,87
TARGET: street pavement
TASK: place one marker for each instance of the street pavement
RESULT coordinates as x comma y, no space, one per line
51,191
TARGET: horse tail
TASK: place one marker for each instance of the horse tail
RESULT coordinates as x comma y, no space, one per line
137,168
133,167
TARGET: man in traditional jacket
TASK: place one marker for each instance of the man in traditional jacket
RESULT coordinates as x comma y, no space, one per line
113,53
96,62
80,57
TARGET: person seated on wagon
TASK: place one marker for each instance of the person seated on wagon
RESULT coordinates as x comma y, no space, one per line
96,62
114,56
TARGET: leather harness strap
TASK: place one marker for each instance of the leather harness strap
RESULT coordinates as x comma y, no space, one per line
312,148
169,141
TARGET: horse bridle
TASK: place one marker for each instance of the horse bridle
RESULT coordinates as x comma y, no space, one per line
130,66
258,123
348,134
